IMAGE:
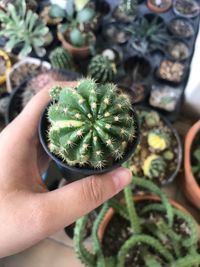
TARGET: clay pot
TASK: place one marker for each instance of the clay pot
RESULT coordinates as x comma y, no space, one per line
77,52
111,212
191,188
157,9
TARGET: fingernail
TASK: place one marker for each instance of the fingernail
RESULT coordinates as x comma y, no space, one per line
121,178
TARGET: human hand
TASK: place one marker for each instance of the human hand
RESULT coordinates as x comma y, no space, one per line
28,212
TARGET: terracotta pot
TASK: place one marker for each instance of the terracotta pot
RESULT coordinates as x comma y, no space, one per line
111,212
78,52
156,9
191,188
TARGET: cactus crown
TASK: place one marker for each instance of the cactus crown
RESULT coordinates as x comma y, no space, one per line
158,139
154,166
154,232
102,69
61,59
90,126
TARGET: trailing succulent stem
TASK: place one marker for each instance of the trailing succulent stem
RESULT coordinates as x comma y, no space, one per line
61,59
154,236
102,69
90,125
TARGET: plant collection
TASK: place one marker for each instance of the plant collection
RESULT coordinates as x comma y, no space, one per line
129,61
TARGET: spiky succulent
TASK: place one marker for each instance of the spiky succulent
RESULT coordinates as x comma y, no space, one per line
90,125
158,139
130,6
154,166
147,36
102,69
160,234
23,27
61,59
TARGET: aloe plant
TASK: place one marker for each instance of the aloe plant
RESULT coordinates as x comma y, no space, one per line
23,27
90,125
147,35
77,14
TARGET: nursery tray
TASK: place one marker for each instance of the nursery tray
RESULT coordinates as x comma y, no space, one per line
155,57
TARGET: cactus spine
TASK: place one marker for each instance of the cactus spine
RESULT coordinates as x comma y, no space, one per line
102,69
90,125
61,59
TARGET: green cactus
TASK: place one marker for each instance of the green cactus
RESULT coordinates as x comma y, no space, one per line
152,118
61,59
90,125
158,139
154,166
102,69
130,6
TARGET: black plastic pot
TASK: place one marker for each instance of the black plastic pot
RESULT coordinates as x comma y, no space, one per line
178,140
15,103
76,173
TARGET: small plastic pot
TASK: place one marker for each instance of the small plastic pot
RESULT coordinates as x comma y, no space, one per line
76,173
188,15
181,24
158,9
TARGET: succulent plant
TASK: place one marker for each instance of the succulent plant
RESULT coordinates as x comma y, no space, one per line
158,139
151,118
130,6
147,36
87,124
102,69
23,27
78,16
61,59
168,155
153,231
154,166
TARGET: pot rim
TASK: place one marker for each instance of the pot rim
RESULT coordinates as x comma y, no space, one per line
185,16
190,136
156,9
138,198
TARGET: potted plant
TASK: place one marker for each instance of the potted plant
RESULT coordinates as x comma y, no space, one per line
159,6
171,71
158,157
61,59
192,165
178,50
73,35
144,231
102,69
24,30
186,8
147,35
181,28
99,133
5,65
130,6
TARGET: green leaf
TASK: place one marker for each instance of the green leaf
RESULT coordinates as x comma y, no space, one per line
63,27
25,50
70,9
80,4
57,12
85,15
10,44
76,38
197,154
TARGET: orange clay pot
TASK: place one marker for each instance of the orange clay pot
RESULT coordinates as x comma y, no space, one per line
111,212
77,52
156,9
191,188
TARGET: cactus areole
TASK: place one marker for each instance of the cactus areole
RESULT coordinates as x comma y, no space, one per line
91,127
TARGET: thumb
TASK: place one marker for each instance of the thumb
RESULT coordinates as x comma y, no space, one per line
63,206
